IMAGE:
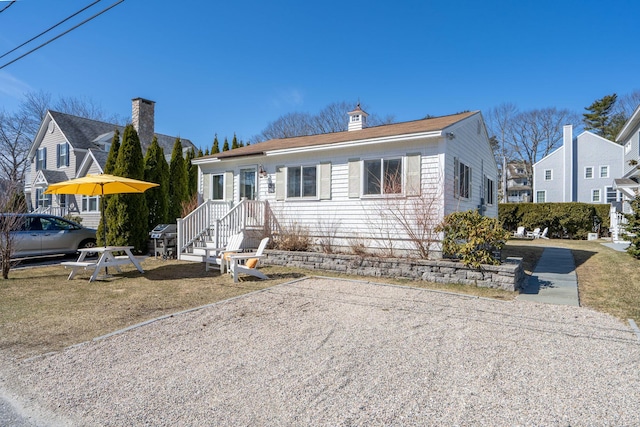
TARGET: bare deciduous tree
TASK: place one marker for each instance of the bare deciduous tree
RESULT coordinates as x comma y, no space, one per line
14,146
12,201
332,118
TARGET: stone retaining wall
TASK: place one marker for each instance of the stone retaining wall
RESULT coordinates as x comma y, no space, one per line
509,276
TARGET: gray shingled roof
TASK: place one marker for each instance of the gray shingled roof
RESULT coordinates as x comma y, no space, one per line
53,176
81,133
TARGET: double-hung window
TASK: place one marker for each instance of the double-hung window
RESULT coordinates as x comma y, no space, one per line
604,171
90,203
382,176
41,158
488,191
302,181
462,182
43,200
62,155
588,172
612,194
547,175
540,196
595,195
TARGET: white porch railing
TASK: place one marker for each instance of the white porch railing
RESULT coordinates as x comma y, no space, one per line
617,222
199,222
51,210
220,220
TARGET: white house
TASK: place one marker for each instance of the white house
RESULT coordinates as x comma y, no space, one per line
356,187
582,170
68,146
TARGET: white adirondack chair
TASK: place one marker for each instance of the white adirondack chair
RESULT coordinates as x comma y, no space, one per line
248,263
221,257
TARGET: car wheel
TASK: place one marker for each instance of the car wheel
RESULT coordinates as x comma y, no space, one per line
89,243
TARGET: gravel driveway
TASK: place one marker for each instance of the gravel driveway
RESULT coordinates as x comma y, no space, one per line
335,352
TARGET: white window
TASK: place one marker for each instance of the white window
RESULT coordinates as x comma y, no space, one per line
547,175
62,155
604,171
42,200
382,176
90,204
489,191
588,172
595,195
612,195
217,187
41,158
302,181
462,180
541,196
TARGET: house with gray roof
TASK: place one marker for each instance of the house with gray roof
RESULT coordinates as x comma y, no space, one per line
68,146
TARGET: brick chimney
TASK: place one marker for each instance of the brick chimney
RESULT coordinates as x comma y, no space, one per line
142,118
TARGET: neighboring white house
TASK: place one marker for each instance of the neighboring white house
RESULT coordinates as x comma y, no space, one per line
582,170
68,147
518,185
346,184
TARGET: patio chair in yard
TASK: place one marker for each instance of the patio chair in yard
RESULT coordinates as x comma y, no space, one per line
222,256
520,233
534,234
248,263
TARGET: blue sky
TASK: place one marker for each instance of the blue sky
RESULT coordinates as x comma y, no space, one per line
234,66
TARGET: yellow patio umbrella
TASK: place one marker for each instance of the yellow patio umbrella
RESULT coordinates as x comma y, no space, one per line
99,185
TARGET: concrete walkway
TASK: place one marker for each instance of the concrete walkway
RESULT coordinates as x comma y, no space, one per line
553,280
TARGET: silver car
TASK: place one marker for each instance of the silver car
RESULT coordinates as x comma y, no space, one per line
41,234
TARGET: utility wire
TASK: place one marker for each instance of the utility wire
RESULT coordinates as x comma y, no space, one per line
7,6
62,34
49,29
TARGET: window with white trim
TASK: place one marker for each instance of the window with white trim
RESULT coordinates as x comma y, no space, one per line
612,195
462,180
217,187
382,176
595,195
302,181
541,196
90,203
604,171
588,172
62,155
489,190
548,175
42,200
41,158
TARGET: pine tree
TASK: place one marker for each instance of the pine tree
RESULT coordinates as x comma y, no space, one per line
234,142
206,152
192,173
602,119
177,182
127,214
108,169
156,170
199,153
225,146
216,145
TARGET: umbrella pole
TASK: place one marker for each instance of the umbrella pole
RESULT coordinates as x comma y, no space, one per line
104,224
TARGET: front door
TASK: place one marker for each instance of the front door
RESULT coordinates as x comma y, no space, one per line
248,184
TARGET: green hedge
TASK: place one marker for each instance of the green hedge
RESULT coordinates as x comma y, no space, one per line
572,220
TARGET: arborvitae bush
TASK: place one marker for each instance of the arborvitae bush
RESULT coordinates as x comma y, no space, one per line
156,170
633,228
108,169
177,182
127,213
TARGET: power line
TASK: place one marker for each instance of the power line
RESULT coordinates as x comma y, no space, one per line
7,6
62,34
49,29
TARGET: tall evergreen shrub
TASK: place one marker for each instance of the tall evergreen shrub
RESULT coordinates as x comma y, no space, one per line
156,170
108,169
177,182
